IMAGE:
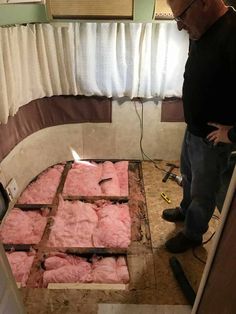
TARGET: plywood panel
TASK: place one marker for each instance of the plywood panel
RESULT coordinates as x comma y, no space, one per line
122,8
143,308
141,270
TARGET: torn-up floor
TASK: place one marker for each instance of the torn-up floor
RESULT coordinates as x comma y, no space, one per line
152,283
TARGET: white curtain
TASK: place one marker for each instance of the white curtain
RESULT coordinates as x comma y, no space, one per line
132,59
108,59
35,61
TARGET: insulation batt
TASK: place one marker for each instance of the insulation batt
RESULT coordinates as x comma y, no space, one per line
114,226
83,179
66,269
73,225
122,173
102,224
21,263
71,269
23,227
110,184
110,270
43,190
97,179
57,260
122,270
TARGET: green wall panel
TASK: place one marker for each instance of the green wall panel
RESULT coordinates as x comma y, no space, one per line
37,13
144,10
22,13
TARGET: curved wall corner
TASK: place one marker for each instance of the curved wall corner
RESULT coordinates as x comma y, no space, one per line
117,140
41,150
40,134
49,111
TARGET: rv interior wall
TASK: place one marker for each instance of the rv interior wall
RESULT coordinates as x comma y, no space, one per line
50,111
131,61
117,140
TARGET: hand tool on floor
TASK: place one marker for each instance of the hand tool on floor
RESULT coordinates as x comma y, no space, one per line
177,179
168,173
172,176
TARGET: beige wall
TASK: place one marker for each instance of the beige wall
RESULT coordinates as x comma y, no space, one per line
116,140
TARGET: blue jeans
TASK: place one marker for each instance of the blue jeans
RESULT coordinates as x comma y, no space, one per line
206,173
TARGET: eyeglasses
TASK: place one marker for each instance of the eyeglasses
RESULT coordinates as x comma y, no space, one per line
180,17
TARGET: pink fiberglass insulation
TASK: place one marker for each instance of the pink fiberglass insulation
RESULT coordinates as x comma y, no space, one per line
62,268
114,226
97,179
83,179
115,211
102,224
109,270
110,184
66,268
21,263
23,227
122,270
57,260
43,190
73,225
122,173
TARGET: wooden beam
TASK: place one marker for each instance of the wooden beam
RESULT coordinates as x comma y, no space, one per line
26,207
18,247
96,198
88,286
85,251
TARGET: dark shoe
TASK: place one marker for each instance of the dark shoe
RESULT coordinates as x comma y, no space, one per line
180,243
173,214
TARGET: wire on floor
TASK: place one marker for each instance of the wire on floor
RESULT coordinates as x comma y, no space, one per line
208,240
194,249
197,257
140,117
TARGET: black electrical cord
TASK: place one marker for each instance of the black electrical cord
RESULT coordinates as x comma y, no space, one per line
197,257
141,136
158,167
194,249
208,240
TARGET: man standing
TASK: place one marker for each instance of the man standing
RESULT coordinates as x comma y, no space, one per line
210,113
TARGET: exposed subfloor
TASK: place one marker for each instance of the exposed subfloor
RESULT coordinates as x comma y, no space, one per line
154,285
